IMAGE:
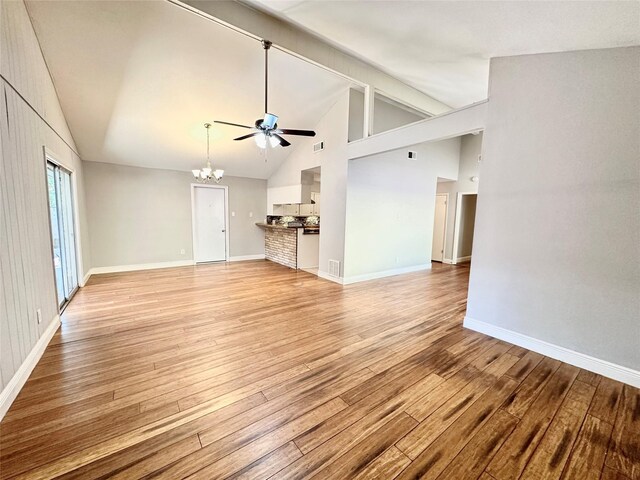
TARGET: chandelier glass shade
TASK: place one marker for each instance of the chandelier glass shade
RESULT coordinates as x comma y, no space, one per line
208,174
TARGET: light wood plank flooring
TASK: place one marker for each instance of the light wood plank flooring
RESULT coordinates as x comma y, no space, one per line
252,370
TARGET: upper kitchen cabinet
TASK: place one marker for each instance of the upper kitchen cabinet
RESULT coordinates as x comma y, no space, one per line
315,201
307,209
291,209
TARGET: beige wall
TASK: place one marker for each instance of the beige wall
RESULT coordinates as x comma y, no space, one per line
556,254
143,215
31,119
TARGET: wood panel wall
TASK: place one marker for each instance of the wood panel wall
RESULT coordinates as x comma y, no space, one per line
30,119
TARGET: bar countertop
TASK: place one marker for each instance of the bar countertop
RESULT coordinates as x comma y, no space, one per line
266,225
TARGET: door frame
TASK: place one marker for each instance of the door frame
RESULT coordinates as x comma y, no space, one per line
226,219
51,157
456,226
446,225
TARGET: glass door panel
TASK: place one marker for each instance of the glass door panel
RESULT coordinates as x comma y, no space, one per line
62,232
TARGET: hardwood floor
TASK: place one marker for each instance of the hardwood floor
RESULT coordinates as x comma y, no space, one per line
252,370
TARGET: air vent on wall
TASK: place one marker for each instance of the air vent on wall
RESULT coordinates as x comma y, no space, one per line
317,147
334,268
412,155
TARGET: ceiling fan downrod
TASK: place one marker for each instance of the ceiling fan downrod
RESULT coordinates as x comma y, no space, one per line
266,44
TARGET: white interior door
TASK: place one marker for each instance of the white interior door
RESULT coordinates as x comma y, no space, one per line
209,229
439,224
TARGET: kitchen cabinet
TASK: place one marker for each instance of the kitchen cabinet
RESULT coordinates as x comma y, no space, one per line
292,209
306,209
315,199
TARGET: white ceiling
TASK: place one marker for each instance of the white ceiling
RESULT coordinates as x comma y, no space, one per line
443,47
137,81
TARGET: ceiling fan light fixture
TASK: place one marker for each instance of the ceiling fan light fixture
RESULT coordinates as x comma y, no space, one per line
274,141
261,140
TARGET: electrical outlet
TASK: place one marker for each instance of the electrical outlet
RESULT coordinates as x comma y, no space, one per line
250,214
233,214
182,251
39,316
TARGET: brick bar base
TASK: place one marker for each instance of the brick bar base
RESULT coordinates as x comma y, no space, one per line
281,246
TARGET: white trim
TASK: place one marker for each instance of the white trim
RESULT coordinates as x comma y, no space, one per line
86,277
140,266
596,365
331,278
456,227
463,259
385,273
242,258
367,124
448,261
51,157
226,219
12,389
446,221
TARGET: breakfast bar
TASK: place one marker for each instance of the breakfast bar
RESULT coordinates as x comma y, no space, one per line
294,246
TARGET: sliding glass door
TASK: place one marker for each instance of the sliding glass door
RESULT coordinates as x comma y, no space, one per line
62,232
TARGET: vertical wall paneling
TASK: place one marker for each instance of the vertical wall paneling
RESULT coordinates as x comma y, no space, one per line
31,120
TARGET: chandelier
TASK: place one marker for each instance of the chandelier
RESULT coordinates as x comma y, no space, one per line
207,174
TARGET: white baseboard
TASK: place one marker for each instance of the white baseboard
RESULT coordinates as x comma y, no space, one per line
242,258
602,367
11,390
463,259
86,278
448,261
140,266
331,278
385,273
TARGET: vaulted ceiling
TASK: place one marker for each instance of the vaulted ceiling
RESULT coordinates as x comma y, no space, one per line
137,81
443,47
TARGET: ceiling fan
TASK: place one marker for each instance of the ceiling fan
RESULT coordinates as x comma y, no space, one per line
266,129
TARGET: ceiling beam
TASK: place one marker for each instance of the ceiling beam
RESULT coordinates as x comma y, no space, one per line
294,40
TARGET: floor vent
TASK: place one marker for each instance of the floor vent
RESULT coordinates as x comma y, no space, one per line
334,268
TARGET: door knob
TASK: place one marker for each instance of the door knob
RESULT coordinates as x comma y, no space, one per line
224,230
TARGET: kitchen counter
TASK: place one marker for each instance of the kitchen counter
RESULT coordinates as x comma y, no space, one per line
268,225
291,246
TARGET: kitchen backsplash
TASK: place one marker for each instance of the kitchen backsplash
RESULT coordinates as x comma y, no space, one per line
306,220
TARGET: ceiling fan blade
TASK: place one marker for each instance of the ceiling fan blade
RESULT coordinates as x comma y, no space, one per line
303,133
283,142
232,124
244,137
